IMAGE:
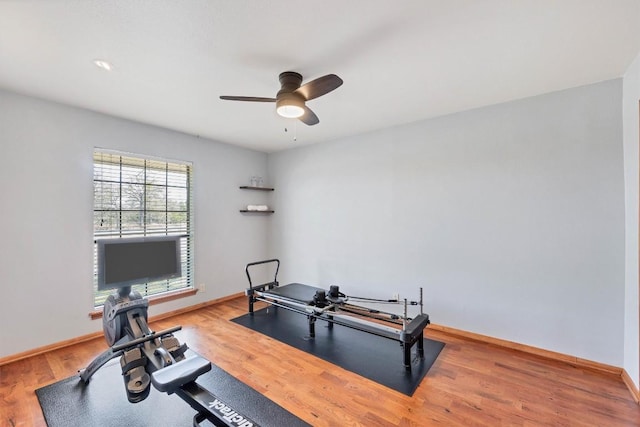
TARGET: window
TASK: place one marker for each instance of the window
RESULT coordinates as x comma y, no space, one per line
137,197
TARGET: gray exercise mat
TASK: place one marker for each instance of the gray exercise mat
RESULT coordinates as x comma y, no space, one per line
376,358
103,402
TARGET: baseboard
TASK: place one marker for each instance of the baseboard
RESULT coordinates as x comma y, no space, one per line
55,346
84,338
631,386
548,354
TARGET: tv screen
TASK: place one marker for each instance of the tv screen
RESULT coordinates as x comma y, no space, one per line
137,260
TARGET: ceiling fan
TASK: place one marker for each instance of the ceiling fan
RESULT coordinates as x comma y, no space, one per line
291,98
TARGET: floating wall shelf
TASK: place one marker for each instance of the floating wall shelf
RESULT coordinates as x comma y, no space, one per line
248,187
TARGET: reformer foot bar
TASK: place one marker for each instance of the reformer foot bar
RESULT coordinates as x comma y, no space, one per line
157,358
334,308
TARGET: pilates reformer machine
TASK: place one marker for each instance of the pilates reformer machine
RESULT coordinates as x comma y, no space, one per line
334,307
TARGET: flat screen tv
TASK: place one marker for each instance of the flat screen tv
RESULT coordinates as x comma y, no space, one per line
137,260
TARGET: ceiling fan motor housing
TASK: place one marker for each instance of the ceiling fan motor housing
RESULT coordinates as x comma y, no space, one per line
289,81
290,103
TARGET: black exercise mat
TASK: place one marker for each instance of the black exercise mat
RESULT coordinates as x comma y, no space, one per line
103,402
376,358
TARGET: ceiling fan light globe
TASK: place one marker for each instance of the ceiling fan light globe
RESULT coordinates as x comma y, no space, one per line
290,111
289,105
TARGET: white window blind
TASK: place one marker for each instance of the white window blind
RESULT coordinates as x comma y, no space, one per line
137,197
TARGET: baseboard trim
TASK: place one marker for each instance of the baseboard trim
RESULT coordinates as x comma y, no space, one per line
635,393
548,354
55,346
84,338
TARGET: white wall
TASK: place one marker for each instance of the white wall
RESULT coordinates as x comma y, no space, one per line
631,97
47,200
511,217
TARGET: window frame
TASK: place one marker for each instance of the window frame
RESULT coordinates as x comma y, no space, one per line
176,192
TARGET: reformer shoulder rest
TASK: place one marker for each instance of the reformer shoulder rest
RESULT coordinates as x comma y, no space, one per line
172,377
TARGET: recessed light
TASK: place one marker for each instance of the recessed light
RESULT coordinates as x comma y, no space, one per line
100,63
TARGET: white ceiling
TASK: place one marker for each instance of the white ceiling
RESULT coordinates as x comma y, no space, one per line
401,61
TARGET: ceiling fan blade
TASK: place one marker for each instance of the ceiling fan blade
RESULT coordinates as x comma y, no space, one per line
248,98
320,86
309,117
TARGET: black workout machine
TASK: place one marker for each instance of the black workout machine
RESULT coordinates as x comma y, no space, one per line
158,358
334,307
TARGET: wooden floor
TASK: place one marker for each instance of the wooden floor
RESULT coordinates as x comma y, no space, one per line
471,383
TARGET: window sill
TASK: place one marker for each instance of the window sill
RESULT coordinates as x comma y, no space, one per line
157,299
